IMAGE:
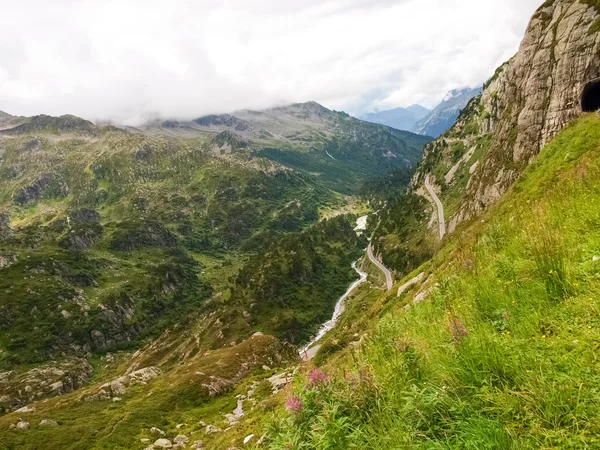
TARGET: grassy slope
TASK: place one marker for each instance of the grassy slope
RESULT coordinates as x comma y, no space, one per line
163,205
503,354
178,397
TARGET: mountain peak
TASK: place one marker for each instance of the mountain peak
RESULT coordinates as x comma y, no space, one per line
400,118
443,116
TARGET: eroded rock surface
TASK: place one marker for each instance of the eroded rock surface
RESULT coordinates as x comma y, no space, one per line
529,100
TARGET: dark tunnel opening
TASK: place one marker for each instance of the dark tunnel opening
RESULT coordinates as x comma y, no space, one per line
590,97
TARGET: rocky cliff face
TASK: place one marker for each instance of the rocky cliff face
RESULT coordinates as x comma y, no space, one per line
525,104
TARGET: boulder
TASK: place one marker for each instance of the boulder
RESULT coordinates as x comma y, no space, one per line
211,429
155,430
163,443
117,387
22,425
25,409
48,423
181,439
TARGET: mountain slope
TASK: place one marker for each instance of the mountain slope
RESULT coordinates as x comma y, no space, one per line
493,346
444,115
399,118
522,107
339,150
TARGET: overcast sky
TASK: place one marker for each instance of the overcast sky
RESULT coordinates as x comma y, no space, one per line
132,59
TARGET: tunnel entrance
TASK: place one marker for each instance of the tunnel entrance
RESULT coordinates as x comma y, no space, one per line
590,97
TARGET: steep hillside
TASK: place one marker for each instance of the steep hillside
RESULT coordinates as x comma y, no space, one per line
108,238
529,99
399,118
339,150
444,115
493,344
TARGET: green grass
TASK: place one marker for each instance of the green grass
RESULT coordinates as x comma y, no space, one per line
503,354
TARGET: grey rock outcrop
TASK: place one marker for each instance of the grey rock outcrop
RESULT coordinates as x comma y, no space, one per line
19,389
163,443
48,423
527,102
119,387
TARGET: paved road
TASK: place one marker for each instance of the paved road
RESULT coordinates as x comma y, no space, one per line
440,208
388,274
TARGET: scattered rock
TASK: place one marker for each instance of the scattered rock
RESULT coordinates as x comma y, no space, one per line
211,429
117,399
117,388
279,381
48,423
179,426
22,425
197,445
25,409
163,443
7,261
257,334
410,283
237,414
181,439
248,438
155,430
144,440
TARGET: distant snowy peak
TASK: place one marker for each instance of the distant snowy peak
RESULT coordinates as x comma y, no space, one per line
445,114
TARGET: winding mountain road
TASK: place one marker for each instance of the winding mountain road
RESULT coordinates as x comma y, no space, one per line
388,275
439,206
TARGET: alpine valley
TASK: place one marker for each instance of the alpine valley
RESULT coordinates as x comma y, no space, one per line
163,286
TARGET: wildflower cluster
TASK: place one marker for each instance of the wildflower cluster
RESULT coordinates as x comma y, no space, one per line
318,378
294,405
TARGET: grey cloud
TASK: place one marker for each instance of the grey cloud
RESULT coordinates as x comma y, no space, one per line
127,60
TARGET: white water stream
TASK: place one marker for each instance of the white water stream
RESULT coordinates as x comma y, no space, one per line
339,309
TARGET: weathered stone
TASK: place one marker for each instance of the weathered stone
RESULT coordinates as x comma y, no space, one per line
529,100
211,429
197,445
181,439
117,388
22,425
48,423
155,430
25,409
163,443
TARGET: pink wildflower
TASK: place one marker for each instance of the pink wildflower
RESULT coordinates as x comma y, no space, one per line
294,405
317,377
458,329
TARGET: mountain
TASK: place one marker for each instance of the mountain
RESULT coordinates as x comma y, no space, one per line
444,115
166,242
521,108
489,342
157,281
399,118
339,150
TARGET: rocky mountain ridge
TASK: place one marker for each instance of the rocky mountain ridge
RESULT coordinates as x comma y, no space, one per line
529,99
444,115
399,118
